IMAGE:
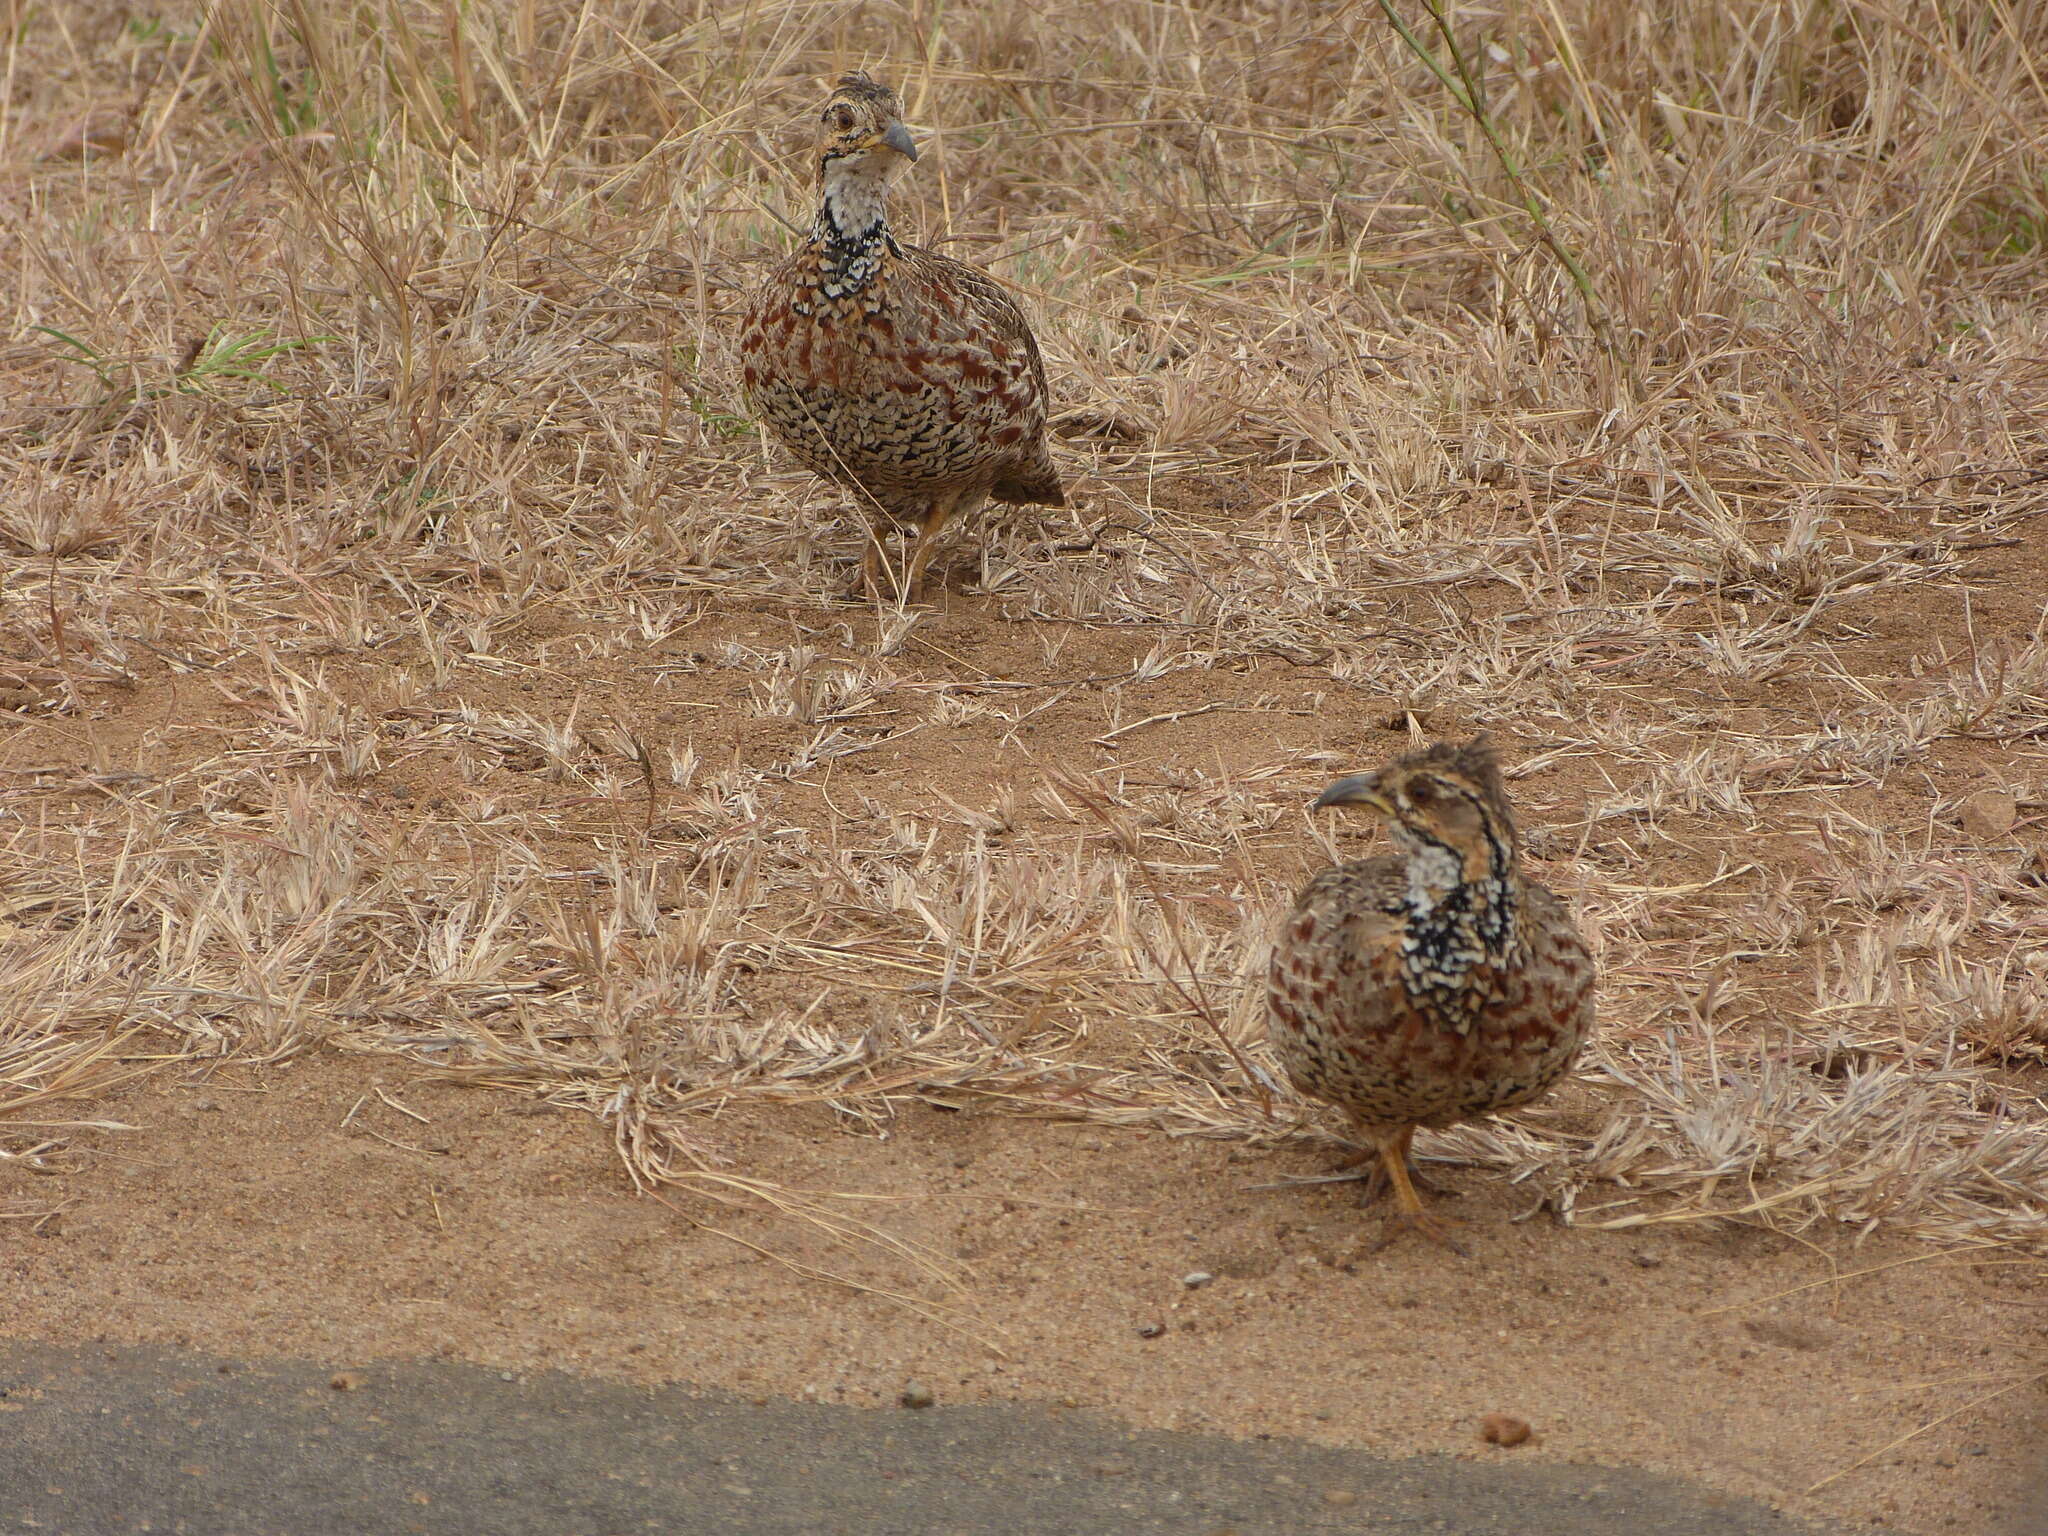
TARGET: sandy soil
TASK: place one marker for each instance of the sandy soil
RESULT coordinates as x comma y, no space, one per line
298,1212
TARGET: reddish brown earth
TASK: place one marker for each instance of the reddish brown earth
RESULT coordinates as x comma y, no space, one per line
294,1212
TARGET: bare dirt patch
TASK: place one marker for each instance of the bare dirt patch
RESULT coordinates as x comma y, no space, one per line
303,1211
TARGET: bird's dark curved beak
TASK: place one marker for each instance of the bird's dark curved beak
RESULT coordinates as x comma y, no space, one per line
897,137
1359,789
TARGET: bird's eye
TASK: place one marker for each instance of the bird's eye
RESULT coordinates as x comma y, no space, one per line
1422,792
838,119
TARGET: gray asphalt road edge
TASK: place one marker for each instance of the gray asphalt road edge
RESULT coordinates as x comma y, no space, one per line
115,1440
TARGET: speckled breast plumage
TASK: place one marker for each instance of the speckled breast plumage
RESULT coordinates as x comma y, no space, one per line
924,381
1365,1019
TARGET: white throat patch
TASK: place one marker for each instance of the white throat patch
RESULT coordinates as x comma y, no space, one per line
858,201
1433,871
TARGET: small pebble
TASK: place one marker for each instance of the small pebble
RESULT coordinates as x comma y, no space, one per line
1111,1469
1988,814
1648,1261
1503,1429
1339,1498
346,1381
1150,1330
916,1395
1195,1280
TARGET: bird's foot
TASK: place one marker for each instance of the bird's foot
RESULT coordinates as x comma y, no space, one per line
1440,1230
880,582
1377,1184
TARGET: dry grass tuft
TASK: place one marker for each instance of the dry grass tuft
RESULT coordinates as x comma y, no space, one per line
411,650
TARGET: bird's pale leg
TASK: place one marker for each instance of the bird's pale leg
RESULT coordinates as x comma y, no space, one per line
1410,1215
872,561
1375,1177
922,546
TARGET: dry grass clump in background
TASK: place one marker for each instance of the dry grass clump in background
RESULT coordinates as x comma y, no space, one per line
411,649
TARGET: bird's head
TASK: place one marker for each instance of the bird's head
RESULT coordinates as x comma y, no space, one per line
861,131
1445,797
